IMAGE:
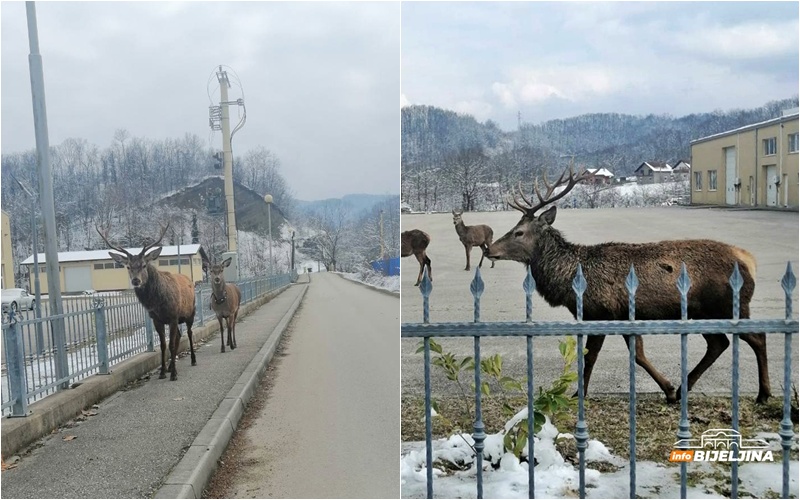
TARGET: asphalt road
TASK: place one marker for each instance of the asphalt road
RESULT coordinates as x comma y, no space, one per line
771,236
138,435
331,424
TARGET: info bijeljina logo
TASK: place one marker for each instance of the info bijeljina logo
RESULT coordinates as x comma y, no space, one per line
721,445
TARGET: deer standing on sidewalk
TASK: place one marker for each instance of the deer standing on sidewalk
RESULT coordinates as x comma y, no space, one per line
225,301
473,236
415,242
167,297
553,262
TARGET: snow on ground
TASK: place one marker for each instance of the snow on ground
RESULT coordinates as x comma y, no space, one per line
557,478
376,279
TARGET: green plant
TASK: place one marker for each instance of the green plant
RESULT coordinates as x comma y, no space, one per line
552,402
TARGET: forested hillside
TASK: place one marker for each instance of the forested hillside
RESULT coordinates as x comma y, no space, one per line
451,160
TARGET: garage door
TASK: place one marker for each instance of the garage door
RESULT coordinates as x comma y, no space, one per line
77,279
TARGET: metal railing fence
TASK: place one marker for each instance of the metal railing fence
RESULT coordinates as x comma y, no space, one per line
101,330
530,329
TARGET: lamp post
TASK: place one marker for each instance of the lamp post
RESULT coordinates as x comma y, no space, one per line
268,200
37,310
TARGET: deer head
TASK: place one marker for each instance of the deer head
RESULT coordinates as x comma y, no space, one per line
457,217
216,271
136,264
519,243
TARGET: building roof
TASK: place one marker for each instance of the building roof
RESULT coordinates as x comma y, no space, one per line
600,172
92,255
655,166
753,126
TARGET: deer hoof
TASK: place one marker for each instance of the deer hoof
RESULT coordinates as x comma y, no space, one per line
223,349
173,377
762,398
162,375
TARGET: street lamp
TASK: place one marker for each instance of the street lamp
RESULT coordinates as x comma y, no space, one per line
36,287
268,200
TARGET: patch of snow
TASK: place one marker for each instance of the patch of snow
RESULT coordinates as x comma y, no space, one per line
376,279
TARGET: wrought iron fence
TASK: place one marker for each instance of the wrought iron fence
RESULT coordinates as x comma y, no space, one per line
99,330
632,328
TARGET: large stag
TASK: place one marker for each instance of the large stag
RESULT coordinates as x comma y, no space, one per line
415,242
473,236
225,301
554,260
167,297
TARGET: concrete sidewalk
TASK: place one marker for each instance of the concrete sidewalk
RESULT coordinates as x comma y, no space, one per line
148,435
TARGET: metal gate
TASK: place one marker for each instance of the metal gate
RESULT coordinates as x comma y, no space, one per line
530,329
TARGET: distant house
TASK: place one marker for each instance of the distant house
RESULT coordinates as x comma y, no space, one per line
682,170
95,270
601,176
653,171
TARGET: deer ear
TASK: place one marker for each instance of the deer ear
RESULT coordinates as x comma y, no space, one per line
227,262
549,216
119,258
154,254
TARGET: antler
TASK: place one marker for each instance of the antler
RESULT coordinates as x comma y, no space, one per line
112,246
155,243
570,182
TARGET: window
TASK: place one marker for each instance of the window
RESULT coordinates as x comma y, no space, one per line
769,146
163,262
712,180
173,262
110,265
185,261
793,143
698,181
98,266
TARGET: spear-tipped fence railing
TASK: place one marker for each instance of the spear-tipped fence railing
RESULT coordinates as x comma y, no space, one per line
102,329
632,329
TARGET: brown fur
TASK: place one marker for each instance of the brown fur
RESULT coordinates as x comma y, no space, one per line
415,242
554,260
473,236
168,298
225,301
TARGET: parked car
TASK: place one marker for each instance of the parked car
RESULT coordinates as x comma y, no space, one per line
17,299
89,292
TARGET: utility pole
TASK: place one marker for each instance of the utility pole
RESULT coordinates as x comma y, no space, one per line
46,195
227,155
37,309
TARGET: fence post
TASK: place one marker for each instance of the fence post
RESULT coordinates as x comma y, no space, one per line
199,305
102,335
15,360
148,333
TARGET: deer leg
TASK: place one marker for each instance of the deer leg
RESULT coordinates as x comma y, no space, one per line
232,327
174,342
430,272
189,323
483,254
467,248
758,342
421,268
593,345
161,337
715,346
641,360
221,334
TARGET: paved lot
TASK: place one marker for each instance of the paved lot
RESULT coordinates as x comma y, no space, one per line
771,236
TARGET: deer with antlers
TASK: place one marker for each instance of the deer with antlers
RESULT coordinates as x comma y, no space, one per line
473,236
167,297
415,242
225,301
553,262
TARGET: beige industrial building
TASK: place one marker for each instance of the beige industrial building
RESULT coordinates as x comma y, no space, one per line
7,268
96,270
755,165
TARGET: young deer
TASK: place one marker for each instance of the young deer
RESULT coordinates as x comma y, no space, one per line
554,260
168,298
473,236
415,242
225,300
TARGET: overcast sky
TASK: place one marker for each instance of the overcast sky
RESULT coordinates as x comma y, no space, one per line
557,60
321,81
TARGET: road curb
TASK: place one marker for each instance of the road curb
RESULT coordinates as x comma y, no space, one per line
373,287
191,475
58,409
